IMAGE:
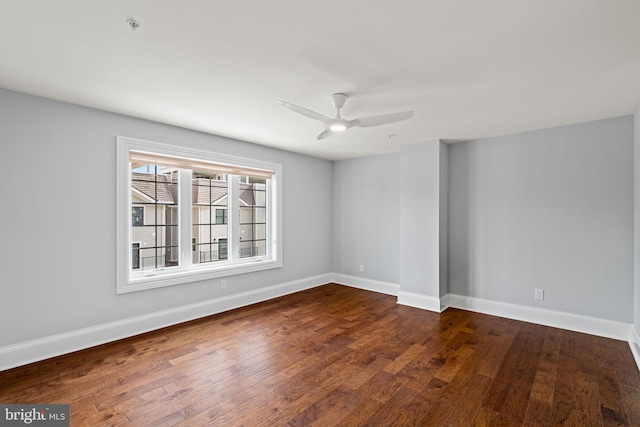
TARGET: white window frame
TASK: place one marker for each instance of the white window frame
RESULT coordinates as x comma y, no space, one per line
129,281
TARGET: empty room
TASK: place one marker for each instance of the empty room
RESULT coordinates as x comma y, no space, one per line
333,213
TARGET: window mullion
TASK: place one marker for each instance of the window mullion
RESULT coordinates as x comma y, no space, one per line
270,227
233,217
184,217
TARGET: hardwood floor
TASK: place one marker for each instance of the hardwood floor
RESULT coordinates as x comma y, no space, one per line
335,355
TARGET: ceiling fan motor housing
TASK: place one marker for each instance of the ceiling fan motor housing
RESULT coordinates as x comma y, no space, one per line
338,99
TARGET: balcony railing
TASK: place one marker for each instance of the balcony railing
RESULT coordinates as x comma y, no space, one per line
151,262
248,252
210,256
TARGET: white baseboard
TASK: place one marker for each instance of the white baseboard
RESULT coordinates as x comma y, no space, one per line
424,302
366,284
634,343
43,348
556,319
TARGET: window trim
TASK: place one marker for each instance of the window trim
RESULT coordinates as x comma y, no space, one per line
234,265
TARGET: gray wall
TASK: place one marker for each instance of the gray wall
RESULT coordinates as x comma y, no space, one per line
549,209
420,214
389,214
444,218
366,225
58,191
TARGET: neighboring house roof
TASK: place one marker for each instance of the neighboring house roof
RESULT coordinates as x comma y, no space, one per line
206,192
203,193
246,195
156,187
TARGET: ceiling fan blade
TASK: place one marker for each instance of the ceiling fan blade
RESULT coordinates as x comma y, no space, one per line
326,134
383,119
304,111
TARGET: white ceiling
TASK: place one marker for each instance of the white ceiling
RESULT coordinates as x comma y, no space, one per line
469,69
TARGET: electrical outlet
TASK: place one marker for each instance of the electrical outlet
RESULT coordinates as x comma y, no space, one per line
539,293
223,284
361,268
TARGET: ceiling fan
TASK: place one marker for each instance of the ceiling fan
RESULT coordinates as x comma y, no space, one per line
338,124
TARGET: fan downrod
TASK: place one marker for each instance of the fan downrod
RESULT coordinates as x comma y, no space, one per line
338,100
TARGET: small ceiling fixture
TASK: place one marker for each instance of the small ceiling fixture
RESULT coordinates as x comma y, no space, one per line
133,24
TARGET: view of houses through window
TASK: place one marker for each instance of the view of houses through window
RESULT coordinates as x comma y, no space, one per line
155,216
187,215
253,218
209,200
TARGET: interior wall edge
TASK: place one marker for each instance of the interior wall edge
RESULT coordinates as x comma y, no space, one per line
634,343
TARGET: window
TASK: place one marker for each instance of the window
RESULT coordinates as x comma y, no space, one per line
137,216
221,216
209,191
222,245
187,215
154,192
135,255
253,208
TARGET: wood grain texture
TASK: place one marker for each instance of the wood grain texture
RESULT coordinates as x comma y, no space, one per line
338,356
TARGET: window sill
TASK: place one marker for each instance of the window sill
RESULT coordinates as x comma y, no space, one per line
171,277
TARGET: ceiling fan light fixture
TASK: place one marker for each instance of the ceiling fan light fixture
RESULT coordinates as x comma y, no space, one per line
338,124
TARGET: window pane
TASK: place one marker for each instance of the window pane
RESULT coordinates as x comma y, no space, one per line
135,256
154,217
201,215
251,232
260,196
253,228
260,215
222,247
246,215
158,257
209,216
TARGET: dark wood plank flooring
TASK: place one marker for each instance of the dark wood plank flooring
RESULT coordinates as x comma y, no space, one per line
333,356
